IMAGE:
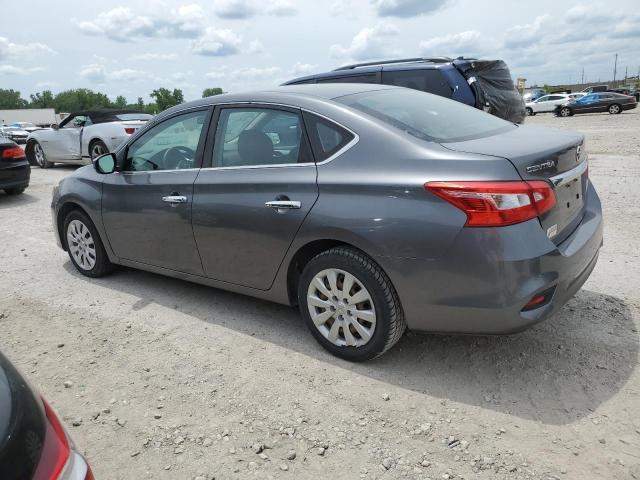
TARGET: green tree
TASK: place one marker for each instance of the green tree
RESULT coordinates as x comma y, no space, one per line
11,99
120,102
43,99
80,99
165,98
210,92
140,104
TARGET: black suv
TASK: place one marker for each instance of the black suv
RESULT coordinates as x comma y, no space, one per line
484,84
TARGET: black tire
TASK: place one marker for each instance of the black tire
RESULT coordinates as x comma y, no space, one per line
614,109
15,190
390,323
97,145
32,157
565,112
530,112
102,265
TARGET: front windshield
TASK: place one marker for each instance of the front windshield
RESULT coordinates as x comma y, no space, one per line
426,116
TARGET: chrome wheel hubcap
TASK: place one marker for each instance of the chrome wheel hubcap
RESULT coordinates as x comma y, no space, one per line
564,112
614,109
81,245
341,308
97,150
38,153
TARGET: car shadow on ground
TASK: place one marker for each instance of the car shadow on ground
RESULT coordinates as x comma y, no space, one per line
11,201
557,372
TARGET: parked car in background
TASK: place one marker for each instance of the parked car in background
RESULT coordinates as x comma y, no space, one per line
484,84
622,91
14,168
26,126
83,136
611,102
14,133
532,94
374,208
34,444
546,103
596,88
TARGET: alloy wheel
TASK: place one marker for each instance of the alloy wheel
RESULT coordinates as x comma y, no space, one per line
81,245
97,150
565,112
38,153
341,308
614,109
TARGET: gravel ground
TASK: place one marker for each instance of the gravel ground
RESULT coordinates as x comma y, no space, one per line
159,378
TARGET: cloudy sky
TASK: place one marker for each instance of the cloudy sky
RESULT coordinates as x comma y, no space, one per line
129,48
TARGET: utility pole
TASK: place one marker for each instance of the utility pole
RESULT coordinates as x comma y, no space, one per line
582,78
615,68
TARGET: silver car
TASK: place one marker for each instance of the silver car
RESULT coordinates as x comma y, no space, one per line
372,208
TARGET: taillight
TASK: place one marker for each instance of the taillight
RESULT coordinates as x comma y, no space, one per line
496,204
55,450
129,130
12,153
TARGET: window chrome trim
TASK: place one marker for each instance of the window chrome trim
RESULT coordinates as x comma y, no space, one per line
349,145
176,170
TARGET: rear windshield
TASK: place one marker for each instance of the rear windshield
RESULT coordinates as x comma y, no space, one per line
426,116
133,116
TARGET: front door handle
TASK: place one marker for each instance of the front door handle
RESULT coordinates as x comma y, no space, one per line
173,199
283,204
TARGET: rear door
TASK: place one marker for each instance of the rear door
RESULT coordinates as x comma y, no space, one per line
543,154
256,192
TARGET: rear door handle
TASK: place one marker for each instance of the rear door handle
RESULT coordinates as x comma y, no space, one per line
174,199
283,204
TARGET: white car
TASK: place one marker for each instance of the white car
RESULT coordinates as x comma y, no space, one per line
547,103
83,136
27,126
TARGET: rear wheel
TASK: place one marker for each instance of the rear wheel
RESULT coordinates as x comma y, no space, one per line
350,305
615,109
97,148
85,248
565,112
15,191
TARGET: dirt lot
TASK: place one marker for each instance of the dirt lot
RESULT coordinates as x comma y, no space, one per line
171,380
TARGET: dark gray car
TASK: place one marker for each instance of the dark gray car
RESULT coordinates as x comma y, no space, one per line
373,208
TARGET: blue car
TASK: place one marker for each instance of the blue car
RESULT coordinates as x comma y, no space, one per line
484,84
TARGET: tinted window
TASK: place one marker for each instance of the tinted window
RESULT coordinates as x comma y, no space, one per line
371,78
170,145
259,136
426,80
556,97
427,116
543,99
326,137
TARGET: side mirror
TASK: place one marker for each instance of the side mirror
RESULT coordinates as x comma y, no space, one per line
55,126
105,164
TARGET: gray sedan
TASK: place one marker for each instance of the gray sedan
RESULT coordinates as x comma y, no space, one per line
373,208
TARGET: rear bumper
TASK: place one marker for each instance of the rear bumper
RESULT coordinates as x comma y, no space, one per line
15,175
482,283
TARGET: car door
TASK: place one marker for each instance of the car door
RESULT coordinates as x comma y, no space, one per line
540,104
555,100
252,199
64,143
146,206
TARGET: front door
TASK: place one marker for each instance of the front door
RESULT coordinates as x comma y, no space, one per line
249,206
146,207
64,143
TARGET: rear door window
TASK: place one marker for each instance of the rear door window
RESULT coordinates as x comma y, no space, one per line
326,137
425,80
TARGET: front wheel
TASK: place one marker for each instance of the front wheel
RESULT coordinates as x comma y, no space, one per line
350,305
35,154
614,109
530,112
85,248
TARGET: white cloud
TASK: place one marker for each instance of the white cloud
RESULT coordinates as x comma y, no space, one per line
521,36
128,75
371,42
407,8
303,68
241,9
94,72
255,46
122,24
469,43
10,49
154,56
254,73
217,43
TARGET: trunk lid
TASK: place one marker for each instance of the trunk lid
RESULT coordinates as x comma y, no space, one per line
543,154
